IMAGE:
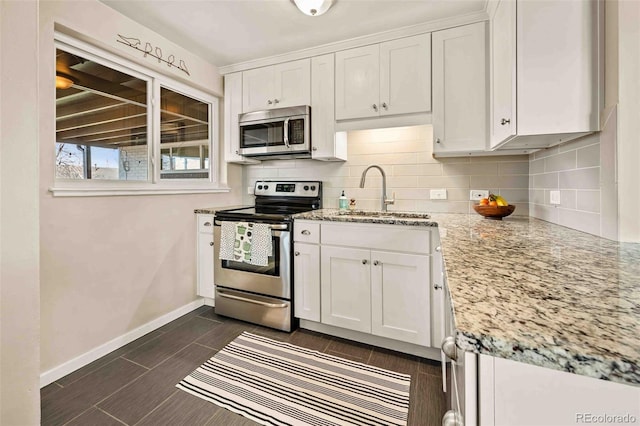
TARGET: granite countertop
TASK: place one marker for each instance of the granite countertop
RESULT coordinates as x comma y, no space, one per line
213,210
361,216
531,291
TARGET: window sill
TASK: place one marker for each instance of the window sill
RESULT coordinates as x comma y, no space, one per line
110,192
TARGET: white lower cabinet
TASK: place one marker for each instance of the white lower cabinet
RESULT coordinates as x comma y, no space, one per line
205,256
515,393
400,297
345,288
373,279
306,276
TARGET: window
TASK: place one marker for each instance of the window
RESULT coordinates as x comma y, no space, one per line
109,129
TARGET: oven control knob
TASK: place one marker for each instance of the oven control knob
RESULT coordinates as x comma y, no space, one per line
313,187
306,187
266,187
259,186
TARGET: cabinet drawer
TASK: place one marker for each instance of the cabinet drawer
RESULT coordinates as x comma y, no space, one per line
306,232
381,237
205,223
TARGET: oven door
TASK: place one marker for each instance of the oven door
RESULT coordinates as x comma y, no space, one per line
275,136
272,280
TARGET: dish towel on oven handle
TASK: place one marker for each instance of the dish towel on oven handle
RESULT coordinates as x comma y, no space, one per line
246,242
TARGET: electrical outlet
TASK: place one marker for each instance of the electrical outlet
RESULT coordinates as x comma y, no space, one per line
250,190
478,194
438,194
554,197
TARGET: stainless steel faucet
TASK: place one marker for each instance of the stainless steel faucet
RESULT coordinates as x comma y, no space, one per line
385,201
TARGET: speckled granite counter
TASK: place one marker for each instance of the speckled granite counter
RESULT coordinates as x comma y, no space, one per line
539,293
213,210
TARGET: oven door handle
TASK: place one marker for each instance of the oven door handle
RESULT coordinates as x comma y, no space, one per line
257,302
282,227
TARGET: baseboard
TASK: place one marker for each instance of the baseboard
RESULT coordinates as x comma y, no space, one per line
88,357
383,342
209,302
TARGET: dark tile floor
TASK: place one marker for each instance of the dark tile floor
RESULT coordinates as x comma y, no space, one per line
135,385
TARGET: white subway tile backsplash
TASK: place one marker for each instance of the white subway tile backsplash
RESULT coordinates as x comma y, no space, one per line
589,156
574,168
580,179
582,221
406,156
470,169
588,201
563,161
567,199
545,180
510,168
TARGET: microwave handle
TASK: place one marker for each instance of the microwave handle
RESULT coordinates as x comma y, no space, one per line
286,132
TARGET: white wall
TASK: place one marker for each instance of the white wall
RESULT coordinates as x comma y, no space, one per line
111,264
405,153
19,263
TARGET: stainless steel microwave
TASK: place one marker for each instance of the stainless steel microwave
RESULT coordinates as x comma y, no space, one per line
278,133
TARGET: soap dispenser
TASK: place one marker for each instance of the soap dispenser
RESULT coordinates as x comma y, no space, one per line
343,202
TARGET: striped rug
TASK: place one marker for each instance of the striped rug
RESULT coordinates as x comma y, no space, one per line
276,383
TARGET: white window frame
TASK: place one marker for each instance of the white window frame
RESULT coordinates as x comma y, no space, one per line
154,184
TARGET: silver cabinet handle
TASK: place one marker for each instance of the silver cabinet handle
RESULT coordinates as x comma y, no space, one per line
376,263
269,101
375,107
438,248
437,140
207,224
384,105
211,243
449,348
305,232
255,302
315,148
297,253
275,101
437,286
237,151
365,261
451,418
505,121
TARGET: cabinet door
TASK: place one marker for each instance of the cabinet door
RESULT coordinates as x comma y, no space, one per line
460,89
405,75
306,281
233,108
292,84
400,286
326,144
345,282
205,265
503,73
258,89
358,82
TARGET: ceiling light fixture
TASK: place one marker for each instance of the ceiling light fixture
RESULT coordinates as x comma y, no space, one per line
313,7
63,82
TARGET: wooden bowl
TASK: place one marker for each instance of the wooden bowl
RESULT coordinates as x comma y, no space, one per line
494,212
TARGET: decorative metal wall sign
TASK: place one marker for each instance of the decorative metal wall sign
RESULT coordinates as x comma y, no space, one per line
155,52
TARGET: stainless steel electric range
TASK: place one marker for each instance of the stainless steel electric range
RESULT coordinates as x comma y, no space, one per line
264,294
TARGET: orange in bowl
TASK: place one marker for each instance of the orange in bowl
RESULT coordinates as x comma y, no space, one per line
494,212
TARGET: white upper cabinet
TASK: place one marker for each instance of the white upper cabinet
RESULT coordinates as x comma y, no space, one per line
232,109
384,79
326,144
460,89
545,72
277,86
